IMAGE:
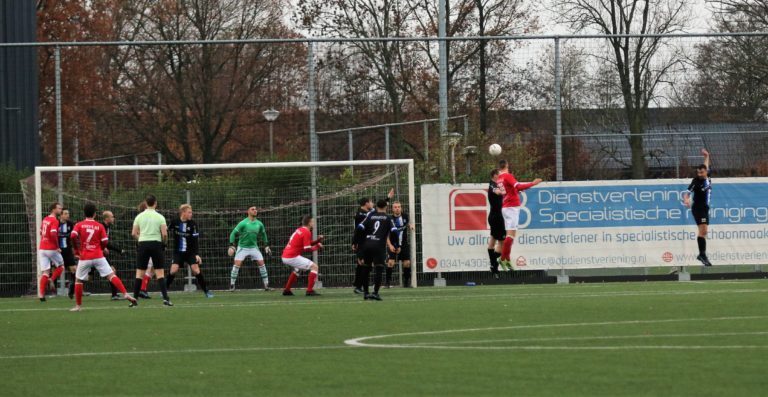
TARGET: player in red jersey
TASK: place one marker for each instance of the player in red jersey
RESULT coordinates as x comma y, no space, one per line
49,252
89,239
301,242
510,208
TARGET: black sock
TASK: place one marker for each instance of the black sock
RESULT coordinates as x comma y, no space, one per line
389,275
169,280
365,273
702,245
137,288
113,288
358,276
201,282
407,276
494,258
377,273
72,284
163,288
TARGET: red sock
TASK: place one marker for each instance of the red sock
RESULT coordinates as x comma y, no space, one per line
291,280
118,284
43,285
145,282
312,279
57,272
79,294
507,248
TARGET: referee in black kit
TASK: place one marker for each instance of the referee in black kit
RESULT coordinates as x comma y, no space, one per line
151,231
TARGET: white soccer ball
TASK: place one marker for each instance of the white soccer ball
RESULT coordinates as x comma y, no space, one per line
494,149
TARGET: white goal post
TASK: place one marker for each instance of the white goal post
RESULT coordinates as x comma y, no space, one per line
43,180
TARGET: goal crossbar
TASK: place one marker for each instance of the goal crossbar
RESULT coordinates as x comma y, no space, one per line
229,166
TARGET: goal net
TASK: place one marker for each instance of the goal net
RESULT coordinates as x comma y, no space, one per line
220,194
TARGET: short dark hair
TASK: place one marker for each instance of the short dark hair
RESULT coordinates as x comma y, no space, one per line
503,164
701,167
65,209
53,206
151,200
382,203
494,172
305,220
89,209
363,201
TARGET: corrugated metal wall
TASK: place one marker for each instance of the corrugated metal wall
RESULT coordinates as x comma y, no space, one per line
18,85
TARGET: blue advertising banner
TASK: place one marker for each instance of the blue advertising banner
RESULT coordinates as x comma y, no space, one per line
598,224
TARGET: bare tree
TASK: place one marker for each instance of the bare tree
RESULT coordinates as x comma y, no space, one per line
471,62
194,103
641,63
731,72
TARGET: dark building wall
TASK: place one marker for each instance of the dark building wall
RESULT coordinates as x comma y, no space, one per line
18,85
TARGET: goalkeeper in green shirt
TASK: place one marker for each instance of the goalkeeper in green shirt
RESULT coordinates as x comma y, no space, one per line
247,234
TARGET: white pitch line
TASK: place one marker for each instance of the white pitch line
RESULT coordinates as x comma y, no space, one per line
350,300
181,351
588,338
361,341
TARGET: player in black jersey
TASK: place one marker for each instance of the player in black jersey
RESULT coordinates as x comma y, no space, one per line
371,237
186,247
495,221
697,199
403,224
67,252
107,220
366,207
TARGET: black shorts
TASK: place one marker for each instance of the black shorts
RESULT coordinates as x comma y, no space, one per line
69,258
373,254
150,249
700,215
404,255
496,222
184,258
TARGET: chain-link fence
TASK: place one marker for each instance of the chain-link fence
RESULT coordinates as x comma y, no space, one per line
563,107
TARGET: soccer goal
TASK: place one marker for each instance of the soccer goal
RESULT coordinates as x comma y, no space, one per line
220,194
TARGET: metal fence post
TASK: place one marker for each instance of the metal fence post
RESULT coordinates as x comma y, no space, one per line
351,148
93,174
313,147
114,174
386,142
159,162
136,174
558,115
77,159
443,80
466,130
426,142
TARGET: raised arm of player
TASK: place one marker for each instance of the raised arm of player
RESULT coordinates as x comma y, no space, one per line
705,153
520,186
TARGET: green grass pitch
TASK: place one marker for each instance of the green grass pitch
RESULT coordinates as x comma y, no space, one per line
652,339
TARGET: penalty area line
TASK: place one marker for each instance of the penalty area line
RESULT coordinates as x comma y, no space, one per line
170,351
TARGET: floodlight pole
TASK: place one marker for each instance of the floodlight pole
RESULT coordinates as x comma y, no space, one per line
57,87
443,75
558,115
